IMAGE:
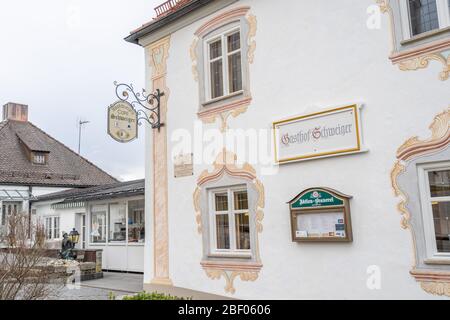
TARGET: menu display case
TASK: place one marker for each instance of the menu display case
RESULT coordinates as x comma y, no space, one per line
321,215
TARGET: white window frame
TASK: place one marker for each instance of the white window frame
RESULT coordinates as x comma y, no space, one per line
225,54
443,16
427,210
231,221
52,227
39,158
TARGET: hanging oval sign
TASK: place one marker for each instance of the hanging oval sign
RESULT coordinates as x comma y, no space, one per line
122,122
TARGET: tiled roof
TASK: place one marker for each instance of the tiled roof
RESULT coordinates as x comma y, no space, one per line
121,189
65,168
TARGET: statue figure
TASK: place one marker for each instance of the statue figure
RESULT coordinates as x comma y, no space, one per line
67,247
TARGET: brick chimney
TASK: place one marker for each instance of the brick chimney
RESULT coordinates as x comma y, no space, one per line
15,111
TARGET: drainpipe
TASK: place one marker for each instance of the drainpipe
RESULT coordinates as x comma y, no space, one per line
30,194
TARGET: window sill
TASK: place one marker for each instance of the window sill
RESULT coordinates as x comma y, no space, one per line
223,98
437,261
424,35
230,255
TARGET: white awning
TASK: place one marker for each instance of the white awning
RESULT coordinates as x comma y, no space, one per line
15,195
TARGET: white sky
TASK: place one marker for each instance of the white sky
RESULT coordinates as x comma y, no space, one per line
61,58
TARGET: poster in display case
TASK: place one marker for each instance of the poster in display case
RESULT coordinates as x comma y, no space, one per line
321,215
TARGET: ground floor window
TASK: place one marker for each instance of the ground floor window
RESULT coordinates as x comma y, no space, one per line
136,221
9,208
52,228
118,222
435,194
230,220
98,224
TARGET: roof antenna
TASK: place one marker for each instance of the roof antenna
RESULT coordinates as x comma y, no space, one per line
80,125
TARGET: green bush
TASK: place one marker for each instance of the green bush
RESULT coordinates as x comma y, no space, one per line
153,296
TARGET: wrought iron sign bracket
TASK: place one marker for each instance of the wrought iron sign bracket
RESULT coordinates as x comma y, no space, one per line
147,105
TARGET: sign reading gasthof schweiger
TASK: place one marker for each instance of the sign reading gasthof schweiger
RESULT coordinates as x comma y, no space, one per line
122,122
327,133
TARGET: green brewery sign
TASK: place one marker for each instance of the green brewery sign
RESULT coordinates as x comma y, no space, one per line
315,199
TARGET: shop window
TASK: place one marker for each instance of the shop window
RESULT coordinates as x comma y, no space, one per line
230,217
98,224
136,221
117,223
435,196
52,230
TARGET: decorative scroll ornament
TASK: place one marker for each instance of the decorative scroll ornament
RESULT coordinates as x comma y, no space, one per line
418,58
140,102
413,148
225,164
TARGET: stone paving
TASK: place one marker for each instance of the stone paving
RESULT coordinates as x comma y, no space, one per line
118,284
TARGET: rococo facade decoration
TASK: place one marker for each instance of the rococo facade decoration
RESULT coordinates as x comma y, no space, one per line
226,165
432,281
418,57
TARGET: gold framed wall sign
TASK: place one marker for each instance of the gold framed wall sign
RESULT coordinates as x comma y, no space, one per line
122,122
327,133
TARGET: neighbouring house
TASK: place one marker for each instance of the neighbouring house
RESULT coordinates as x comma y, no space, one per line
110,218
33,164
341,186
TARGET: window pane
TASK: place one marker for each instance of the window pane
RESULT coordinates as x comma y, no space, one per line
235,72
216,79
242,231
424,16
136,221
215,49
234,42
117,222
98,226
3,215
221,201
441,215
223,232
439,183
56,227
240,200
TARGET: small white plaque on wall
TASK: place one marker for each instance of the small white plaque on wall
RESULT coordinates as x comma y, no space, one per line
184,165
327,133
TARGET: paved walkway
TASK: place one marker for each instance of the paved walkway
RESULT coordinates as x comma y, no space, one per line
116,284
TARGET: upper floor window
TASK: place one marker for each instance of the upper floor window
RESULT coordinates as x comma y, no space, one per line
224,64
39,158
230,218
435,194
424,16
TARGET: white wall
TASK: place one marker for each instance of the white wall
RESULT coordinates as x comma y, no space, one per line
312,55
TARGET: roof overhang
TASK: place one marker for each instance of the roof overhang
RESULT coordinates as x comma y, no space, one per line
172,22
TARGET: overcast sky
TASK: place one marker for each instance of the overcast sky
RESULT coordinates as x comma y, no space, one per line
61,58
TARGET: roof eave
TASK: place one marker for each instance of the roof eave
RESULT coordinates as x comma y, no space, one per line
164,21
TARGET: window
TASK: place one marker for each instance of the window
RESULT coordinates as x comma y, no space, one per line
136,221
52,228
117,222
224,64
98,224
435,192
39,158
425,16
231,221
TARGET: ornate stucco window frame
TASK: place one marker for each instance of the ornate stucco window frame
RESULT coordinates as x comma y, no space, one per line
226,173
413,155
416,52
236,103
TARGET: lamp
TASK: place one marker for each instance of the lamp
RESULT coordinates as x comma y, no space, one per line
74,236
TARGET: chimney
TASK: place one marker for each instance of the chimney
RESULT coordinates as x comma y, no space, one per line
15,111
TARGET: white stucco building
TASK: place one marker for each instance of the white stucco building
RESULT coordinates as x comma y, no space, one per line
349,198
